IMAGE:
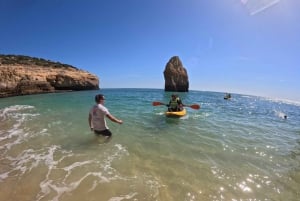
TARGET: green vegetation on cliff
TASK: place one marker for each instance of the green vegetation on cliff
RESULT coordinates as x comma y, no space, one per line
27,60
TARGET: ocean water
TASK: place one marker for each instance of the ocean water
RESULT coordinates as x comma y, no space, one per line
239,149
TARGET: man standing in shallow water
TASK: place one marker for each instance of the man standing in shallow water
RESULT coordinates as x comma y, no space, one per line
97,115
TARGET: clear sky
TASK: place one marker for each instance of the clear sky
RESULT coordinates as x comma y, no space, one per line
238,46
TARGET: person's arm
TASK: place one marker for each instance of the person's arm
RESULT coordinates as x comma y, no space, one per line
179,102
90,121
114,119
168,105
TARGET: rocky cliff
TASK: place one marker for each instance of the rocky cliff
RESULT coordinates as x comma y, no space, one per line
23,75
176,77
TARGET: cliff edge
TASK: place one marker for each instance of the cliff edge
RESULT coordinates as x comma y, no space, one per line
23,75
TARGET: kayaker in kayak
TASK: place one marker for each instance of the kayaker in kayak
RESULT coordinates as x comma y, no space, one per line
175,104
227,96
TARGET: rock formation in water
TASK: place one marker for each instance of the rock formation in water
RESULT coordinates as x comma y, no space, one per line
23,75
176,77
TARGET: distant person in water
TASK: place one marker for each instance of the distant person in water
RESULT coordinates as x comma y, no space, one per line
175,104
227,96
97,116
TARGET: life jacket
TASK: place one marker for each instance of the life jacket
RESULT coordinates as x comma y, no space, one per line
174,103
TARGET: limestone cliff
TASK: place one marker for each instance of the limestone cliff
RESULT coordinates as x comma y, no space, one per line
176,77
23,75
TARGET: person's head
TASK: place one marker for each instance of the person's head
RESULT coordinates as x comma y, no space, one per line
173,96
99,97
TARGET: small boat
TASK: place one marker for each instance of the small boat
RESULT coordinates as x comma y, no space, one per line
176,114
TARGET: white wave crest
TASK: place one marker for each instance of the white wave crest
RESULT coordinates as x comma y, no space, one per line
98,171
126,197
13,109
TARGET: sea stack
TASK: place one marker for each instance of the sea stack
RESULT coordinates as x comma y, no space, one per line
176,77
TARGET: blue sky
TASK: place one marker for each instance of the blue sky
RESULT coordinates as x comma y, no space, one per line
238,46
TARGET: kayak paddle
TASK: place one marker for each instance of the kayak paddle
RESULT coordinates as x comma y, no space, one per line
194,106
155,103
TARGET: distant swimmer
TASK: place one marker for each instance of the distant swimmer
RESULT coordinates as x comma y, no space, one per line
281,114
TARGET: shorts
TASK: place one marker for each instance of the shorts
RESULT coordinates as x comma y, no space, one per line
105,132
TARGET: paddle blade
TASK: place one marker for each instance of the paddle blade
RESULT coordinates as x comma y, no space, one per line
157,103
195,106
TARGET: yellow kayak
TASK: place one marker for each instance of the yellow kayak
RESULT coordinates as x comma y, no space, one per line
176,114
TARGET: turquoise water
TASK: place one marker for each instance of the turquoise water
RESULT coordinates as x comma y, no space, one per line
238,149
